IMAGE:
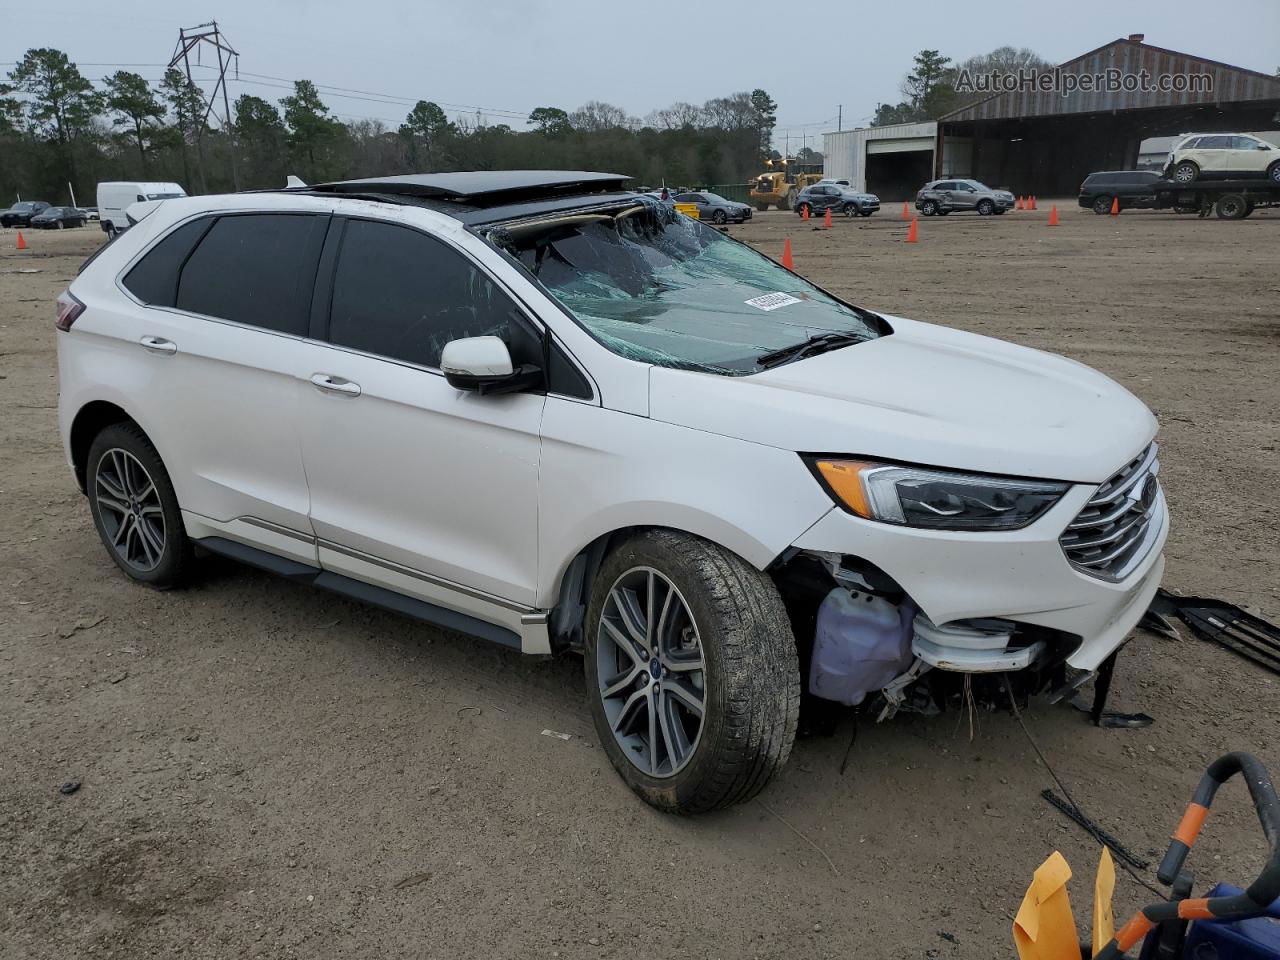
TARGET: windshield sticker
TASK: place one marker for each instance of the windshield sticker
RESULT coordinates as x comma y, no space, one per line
772,301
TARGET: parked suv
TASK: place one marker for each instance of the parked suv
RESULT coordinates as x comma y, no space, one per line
20,214
828,195
1223,156
548,412
943,196
1131,187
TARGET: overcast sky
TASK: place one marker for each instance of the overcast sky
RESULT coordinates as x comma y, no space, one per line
509,56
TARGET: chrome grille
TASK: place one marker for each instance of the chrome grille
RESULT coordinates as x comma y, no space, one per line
1121,521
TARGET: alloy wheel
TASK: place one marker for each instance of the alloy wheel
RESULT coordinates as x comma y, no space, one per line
650,672
129,505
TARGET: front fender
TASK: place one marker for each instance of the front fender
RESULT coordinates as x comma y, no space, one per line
603,471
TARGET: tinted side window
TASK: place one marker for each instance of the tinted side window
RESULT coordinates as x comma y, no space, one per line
154,278
402,294
257,269
1215,143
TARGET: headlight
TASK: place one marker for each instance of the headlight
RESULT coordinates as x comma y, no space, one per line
939,500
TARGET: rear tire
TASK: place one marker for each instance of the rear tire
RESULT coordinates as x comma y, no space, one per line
1102,205
135,508
762,207
1184,172
929,207
1273,172
1233,206
802,208
718,612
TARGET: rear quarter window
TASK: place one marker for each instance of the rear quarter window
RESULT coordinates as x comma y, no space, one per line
154,278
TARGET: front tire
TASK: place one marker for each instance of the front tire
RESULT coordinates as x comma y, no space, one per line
691,671
986,208
135,508
1185,172
719,217
850,210
1273,172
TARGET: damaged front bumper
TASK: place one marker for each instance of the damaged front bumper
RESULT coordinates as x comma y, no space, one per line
975,589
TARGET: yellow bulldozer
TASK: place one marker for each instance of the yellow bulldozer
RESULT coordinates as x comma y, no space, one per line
779,189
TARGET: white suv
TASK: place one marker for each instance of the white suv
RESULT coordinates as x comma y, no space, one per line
1223,156
545,411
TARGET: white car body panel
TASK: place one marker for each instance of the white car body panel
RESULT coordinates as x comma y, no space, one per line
422,474
927,395
604,471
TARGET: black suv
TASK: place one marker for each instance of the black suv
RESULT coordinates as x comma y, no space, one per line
1133,187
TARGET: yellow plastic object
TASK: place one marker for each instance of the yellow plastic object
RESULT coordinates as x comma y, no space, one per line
688,209
1044,928
1104,885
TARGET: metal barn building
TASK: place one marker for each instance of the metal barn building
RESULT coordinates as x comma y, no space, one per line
1044,142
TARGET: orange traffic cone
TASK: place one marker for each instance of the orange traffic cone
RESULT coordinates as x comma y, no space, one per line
804,212
1053,215
1018,204
22,244
786,255
1115,206
1033,202
906,214
826,219
913,231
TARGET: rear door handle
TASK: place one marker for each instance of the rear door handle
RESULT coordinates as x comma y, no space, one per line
159,345
332,384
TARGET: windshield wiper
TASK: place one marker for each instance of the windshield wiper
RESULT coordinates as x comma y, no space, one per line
819,343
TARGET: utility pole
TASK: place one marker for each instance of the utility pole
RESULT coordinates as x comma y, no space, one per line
197,38
839,118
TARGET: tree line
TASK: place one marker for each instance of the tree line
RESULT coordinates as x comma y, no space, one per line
57,128
929,89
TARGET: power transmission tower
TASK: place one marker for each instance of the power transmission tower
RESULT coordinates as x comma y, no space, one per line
196,39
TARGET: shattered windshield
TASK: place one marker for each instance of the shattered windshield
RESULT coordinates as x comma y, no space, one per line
665,289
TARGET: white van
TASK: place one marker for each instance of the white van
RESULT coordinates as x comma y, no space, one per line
114,198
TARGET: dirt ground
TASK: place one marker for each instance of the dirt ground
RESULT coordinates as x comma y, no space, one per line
272,771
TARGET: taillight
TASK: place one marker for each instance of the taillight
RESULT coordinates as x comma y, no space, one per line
69,310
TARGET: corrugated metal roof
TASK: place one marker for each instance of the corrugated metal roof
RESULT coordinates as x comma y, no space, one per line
1230,84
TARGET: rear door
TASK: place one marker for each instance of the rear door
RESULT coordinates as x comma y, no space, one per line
418,486
1214,154
216,357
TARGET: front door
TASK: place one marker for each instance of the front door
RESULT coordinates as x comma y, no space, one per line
415,485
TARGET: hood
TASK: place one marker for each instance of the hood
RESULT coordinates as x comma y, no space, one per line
926,395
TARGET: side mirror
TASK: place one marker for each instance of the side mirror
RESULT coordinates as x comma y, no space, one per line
483,364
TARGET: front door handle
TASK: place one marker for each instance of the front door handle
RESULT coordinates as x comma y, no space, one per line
332,384
159,345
